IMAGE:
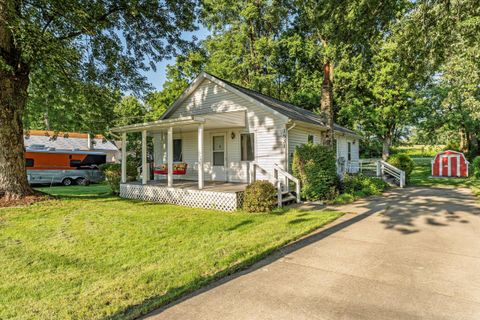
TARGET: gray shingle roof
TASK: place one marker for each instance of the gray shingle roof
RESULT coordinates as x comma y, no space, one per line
287,109
62,143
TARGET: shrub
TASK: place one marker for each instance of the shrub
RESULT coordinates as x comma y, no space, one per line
403,162
260,196
476,167
344,198
113,174
361,185
315,166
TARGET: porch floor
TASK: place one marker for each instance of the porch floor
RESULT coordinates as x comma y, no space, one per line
217,186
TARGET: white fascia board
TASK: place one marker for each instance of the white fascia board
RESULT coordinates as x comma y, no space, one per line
175,122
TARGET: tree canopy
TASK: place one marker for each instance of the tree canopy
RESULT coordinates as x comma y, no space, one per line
72,56
398,65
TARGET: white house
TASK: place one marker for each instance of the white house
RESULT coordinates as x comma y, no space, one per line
228,136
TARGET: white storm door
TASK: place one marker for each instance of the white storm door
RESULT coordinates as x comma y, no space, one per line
218,158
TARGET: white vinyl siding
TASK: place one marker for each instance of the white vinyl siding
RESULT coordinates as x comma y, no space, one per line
342,148
209,98
298,136
268,129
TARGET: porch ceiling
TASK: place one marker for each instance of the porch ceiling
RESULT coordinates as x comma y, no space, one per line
235,119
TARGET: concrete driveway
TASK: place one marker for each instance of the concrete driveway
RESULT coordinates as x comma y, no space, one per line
410,254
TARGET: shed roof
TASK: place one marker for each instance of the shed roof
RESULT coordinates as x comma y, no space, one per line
66,141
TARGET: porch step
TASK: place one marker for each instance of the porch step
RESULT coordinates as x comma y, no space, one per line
390,181
288,198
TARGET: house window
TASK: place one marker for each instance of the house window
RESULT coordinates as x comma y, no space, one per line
177,150
310,138
247,145
219,151
349,154
29,162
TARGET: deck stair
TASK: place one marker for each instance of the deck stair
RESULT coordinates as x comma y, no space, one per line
284,195
391,174
288,198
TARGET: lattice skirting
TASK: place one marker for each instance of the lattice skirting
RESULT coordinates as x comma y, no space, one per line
225,201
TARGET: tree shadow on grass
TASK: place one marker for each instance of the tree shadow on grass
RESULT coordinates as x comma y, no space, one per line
399,211
239,225
207,283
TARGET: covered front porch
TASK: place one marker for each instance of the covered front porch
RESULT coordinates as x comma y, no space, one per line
205,146
225,196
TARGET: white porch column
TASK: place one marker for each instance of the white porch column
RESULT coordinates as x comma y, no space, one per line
124,157
145,170
200,156
170,156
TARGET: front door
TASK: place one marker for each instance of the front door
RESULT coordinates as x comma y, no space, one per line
453,166
218,158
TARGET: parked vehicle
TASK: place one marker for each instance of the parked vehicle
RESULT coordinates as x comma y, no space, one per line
47,165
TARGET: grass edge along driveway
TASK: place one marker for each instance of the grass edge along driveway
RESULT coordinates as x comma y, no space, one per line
89,255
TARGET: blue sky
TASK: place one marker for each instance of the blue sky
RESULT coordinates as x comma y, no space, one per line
157,78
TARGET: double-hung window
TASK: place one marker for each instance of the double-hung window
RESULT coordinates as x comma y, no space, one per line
310,138
349,154
247,146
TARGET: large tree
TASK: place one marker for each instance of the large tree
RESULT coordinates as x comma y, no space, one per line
441,39
380,98
103,43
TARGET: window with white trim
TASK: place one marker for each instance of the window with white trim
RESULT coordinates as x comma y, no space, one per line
310,138
349,150
247,143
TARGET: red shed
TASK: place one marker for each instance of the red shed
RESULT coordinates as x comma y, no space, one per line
450,164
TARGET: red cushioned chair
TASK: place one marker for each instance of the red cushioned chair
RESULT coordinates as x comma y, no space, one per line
178,168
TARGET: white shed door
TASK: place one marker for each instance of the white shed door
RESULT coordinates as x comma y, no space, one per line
218,158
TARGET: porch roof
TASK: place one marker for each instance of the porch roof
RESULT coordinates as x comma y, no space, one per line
235,119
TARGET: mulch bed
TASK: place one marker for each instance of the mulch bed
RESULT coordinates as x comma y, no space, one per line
25,201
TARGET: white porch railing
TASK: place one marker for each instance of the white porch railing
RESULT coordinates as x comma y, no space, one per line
368,165
386,168
279,171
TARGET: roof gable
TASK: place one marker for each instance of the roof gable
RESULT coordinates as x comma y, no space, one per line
280,108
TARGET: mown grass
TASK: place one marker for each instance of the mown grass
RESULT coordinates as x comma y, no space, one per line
418,151
89,255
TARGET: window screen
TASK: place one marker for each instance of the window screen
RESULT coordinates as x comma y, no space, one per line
177,150
349,151
247,145
310,138
29,163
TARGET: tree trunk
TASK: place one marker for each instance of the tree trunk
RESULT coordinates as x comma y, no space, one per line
463,140
387,143
14,79
326,105
46,120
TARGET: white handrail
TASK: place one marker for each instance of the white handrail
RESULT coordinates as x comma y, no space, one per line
276,170
384,167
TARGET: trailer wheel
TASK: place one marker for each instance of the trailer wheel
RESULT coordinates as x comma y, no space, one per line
67,182
82,181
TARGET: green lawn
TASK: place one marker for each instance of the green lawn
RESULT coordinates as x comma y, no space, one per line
90,255
418,151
